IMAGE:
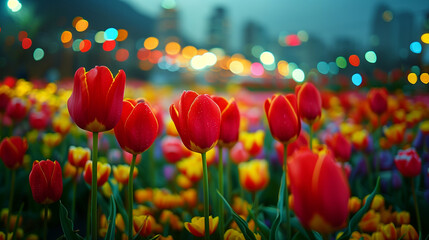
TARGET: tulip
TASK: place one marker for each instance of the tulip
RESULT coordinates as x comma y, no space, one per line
121,173
190,197
197,227
78,156
230,122
5,96
198,119
232,234
61,124
408,232
38,120
389,232
354,204
377,98
17,109
12,151
309,102
46,181
254,175
320,191
173,149
72,171
253,141
238,153
137,127
402,217
143,225
283,118
340,146
370,221
128,157
408,162
103,173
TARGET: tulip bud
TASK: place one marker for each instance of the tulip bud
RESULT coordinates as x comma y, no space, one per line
254,175
377,98
46,181
196,227
309,102
122,173
408,162
103,172
78,156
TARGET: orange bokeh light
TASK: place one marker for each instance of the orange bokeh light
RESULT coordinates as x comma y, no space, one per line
66,37
354,60
172,48
151,43
81,25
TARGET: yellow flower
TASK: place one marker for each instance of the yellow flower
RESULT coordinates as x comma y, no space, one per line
402,218
370,221
122,172
254,175
252,142
232,234
354,204
389,231
408,232
196,226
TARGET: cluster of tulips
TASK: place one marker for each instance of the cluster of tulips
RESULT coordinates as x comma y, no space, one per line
346,165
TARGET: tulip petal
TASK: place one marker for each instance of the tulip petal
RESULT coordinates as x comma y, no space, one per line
283,120
120,134
230,124
78,103
203,123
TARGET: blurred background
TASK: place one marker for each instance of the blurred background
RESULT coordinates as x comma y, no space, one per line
265,44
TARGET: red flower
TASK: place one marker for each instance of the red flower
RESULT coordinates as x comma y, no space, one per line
300,142
377,98
230,122
283,118
38,120
173,149
46,181
309,102
340,146
197,119
320,191
96,101
17,109
103,173
408,162
12,151
137,128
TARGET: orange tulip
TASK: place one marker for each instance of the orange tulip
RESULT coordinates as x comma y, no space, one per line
377,98
254,175
197,119
96,101
78,156
283,118
320,191
122,173
12,151
103,173
196,226
230,122
408,232
143,224
72,171
370,221
137,128
309,102
46,181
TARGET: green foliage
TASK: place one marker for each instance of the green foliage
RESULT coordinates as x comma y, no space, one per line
110,235
67,224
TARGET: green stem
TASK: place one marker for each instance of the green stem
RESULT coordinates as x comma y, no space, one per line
45,223
88,218
229,177
130,198
311,137
221,210
206,198
416,206
377,145
94,185
286,189
12,191
74,199
255,207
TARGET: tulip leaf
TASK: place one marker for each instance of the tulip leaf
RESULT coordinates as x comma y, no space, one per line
280,204
354,221
119,202
242,224
294,222
317,235
110,235
264,230
67,224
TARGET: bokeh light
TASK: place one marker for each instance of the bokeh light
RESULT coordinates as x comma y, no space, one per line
416,47
283,68
298,75
172,48
257,51
387,16
333,68
257,69
189,51
66,37
323,67
110,34
236,67
354,60
38,54
357,79
424,77
81,25
99,37
303,36
143,54
412,78
341,62
155,56
269,67
22,35
168,4
26,43
197,62
76,45
371,57
75,20
109,45
122,35
267,58
85,45
415,69
151,43
122,55
292,40
14,5
425,38
210,58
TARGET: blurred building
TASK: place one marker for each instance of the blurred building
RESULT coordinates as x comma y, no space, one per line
254,36
219,30
167,25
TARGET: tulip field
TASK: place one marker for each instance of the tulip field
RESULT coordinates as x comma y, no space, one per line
105,157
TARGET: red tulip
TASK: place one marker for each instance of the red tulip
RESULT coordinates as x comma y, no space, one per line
377,98
46,181
238,153
408,162
103,173
197,119
96,101
12,151
340,146
320,191
137,128
230,122
309,102
38,120
283,118
5,95
173,149
17,109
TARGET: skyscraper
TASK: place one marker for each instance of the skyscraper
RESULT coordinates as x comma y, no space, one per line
218,35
